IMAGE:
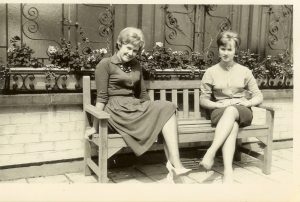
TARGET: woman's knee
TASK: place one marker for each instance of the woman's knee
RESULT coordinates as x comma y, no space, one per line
231,111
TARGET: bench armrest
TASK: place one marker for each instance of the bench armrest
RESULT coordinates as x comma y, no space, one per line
263,106
96,112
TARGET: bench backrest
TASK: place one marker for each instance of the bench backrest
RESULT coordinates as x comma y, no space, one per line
184,93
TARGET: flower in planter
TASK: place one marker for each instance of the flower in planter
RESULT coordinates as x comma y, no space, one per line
68,58
52,50
159,44
19,54
93,57
161,57
279,65
60,57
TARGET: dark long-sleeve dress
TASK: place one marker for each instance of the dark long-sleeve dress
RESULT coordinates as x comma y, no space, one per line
137,119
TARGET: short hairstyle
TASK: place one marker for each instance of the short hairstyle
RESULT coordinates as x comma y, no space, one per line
131,35
226,36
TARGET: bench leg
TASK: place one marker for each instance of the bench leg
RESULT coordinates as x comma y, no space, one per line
267,161
238,153
103,152
87,154
269,143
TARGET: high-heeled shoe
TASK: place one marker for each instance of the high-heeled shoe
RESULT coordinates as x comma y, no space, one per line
175,173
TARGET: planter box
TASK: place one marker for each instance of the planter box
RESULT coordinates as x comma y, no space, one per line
62,80
44,79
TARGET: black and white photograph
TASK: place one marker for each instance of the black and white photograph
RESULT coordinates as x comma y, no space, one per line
183,96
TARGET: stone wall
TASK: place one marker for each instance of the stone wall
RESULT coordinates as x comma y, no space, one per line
49,127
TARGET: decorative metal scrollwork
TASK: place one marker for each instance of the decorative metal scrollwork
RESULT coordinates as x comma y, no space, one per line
225,25
32,13
278,27
273,39
106,21
31,26
17,81
173,34
174,30
209,8
28,82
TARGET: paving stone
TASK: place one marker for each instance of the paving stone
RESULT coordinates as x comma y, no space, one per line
282,163
287,155
128,172
134,180
282,177
49,179
152,169
15,181
162,178
217,180
203,176
159,178
247,177
81,178
255,166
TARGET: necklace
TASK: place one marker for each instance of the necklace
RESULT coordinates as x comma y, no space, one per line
125,69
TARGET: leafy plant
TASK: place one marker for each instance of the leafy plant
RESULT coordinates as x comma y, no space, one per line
161,57
269,67
3,71
19,54
67,57
93,57
253,62
279,65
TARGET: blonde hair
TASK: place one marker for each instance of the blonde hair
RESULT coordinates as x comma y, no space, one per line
226,36
131,35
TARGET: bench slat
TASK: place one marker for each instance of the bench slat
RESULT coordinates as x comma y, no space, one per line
170,84
185,103
174,96
207,128
193,121
196,103
162,94
151,94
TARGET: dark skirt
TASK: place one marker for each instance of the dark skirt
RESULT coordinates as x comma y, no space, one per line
139,123
245,115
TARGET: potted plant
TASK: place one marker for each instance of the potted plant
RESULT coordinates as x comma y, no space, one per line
67,57
280,70
20,55
253,62
270,71
164,63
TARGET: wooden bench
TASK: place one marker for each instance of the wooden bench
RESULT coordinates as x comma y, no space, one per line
193,125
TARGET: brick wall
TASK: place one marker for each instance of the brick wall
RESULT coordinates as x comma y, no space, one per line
54,130
283,122
40,133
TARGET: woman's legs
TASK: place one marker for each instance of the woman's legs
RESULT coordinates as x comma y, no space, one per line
228,153
169,132
223,129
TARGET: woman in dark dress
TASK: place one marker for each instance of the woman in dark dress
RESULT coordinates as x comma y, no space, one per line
121,93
